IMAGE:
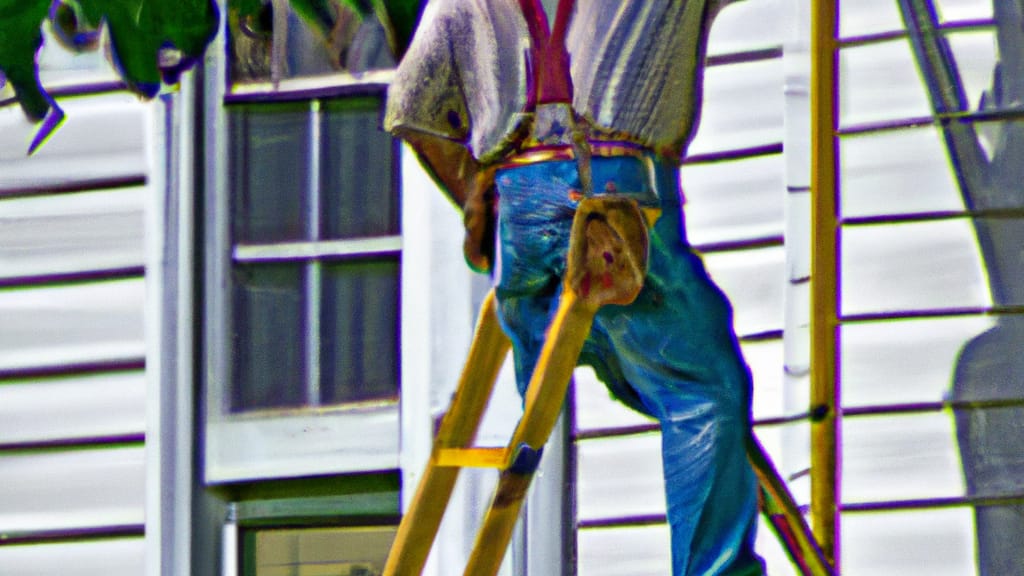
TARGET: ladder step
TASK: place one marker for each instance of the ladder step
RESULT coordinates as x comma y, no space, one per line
472,458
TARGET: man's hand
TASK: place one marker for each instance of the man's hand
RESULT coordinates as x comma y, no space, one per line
478,216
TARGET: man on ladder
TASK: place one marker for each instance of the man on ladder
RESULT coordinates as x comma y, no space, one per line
521,123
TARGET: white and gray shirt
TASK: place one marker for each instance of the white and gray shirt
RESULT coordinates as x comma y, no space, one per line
636,68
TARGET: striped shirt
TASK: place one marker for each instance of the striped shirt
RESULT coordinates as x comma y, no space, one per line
636,68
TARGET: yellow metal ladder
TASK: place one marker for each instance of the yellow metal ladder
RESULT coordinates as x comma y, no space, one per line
606,264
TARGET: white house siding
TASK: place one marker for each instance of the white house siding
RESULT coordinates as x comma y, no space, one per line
735,194
914,288
72,356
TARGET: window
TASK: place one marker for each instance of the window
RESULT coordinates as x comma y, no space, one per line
307,527
315,255
358,551
303,249
332,37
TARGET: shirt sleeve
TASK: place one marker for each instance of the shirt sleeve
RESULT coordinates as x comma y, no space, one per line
426,94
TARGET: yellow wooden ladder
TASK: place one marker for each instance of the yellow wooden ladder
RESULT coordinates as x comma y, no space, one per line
606,264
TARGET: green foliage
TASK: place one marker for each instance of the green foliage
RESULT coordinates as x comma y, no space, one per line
142,32
20,39
400,17
140,29
319,14
152,41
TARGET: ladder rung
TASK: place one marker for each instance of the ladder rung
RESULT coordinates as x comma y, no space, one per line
472,457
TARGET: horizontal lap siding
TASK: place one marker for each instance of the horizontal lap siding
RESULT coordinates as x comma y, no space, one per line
72,353
735,194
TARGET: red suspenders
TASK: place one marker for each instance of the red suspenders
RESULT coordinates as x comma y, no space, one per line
550,79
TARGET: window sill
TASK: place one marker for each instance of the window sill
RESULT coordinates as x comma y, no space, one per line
306,444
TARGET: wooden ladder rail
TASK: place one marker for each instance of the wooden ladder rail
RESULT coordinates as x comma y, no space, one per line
602,226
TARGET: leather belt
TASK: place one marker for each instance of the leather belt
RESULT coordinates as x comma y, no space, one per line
648,196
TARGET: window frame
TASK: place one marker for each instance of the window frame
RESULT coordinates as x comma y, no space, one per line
281,443
439,299
316,257
352,502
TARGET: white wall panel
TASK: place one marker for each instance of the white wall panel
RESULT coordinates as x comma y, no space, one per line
916,543
76,205
754,282
116,557
639,551
101,139
63,233
880,82
71,324
72,489
748,25
765,361
976,55
932,265
73,407
620,477
865,17
901,457
732,118
734,200
903,362
897,172
952,10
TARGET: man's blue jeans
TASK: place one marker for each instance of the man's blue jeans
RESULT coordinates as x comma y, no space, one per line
671,354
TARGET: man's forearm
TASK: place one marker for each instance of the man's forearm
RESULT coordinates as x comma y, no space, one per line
449,163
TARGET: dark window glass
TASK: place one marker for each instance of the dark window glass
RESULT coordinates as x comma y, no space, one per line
360,325
269,171
273,195
269,350
358,187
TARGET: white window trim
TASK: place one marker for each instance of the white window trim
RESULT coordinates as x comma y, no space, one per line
170,398
437,322
304,86
286,443
345,441
379,246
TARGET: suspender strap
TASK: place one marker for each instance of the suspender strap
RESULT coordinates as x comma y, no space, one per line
551,81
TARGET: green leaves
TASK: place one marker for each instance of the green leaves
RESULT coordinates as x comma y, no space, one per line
152,41
20,39
400,18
